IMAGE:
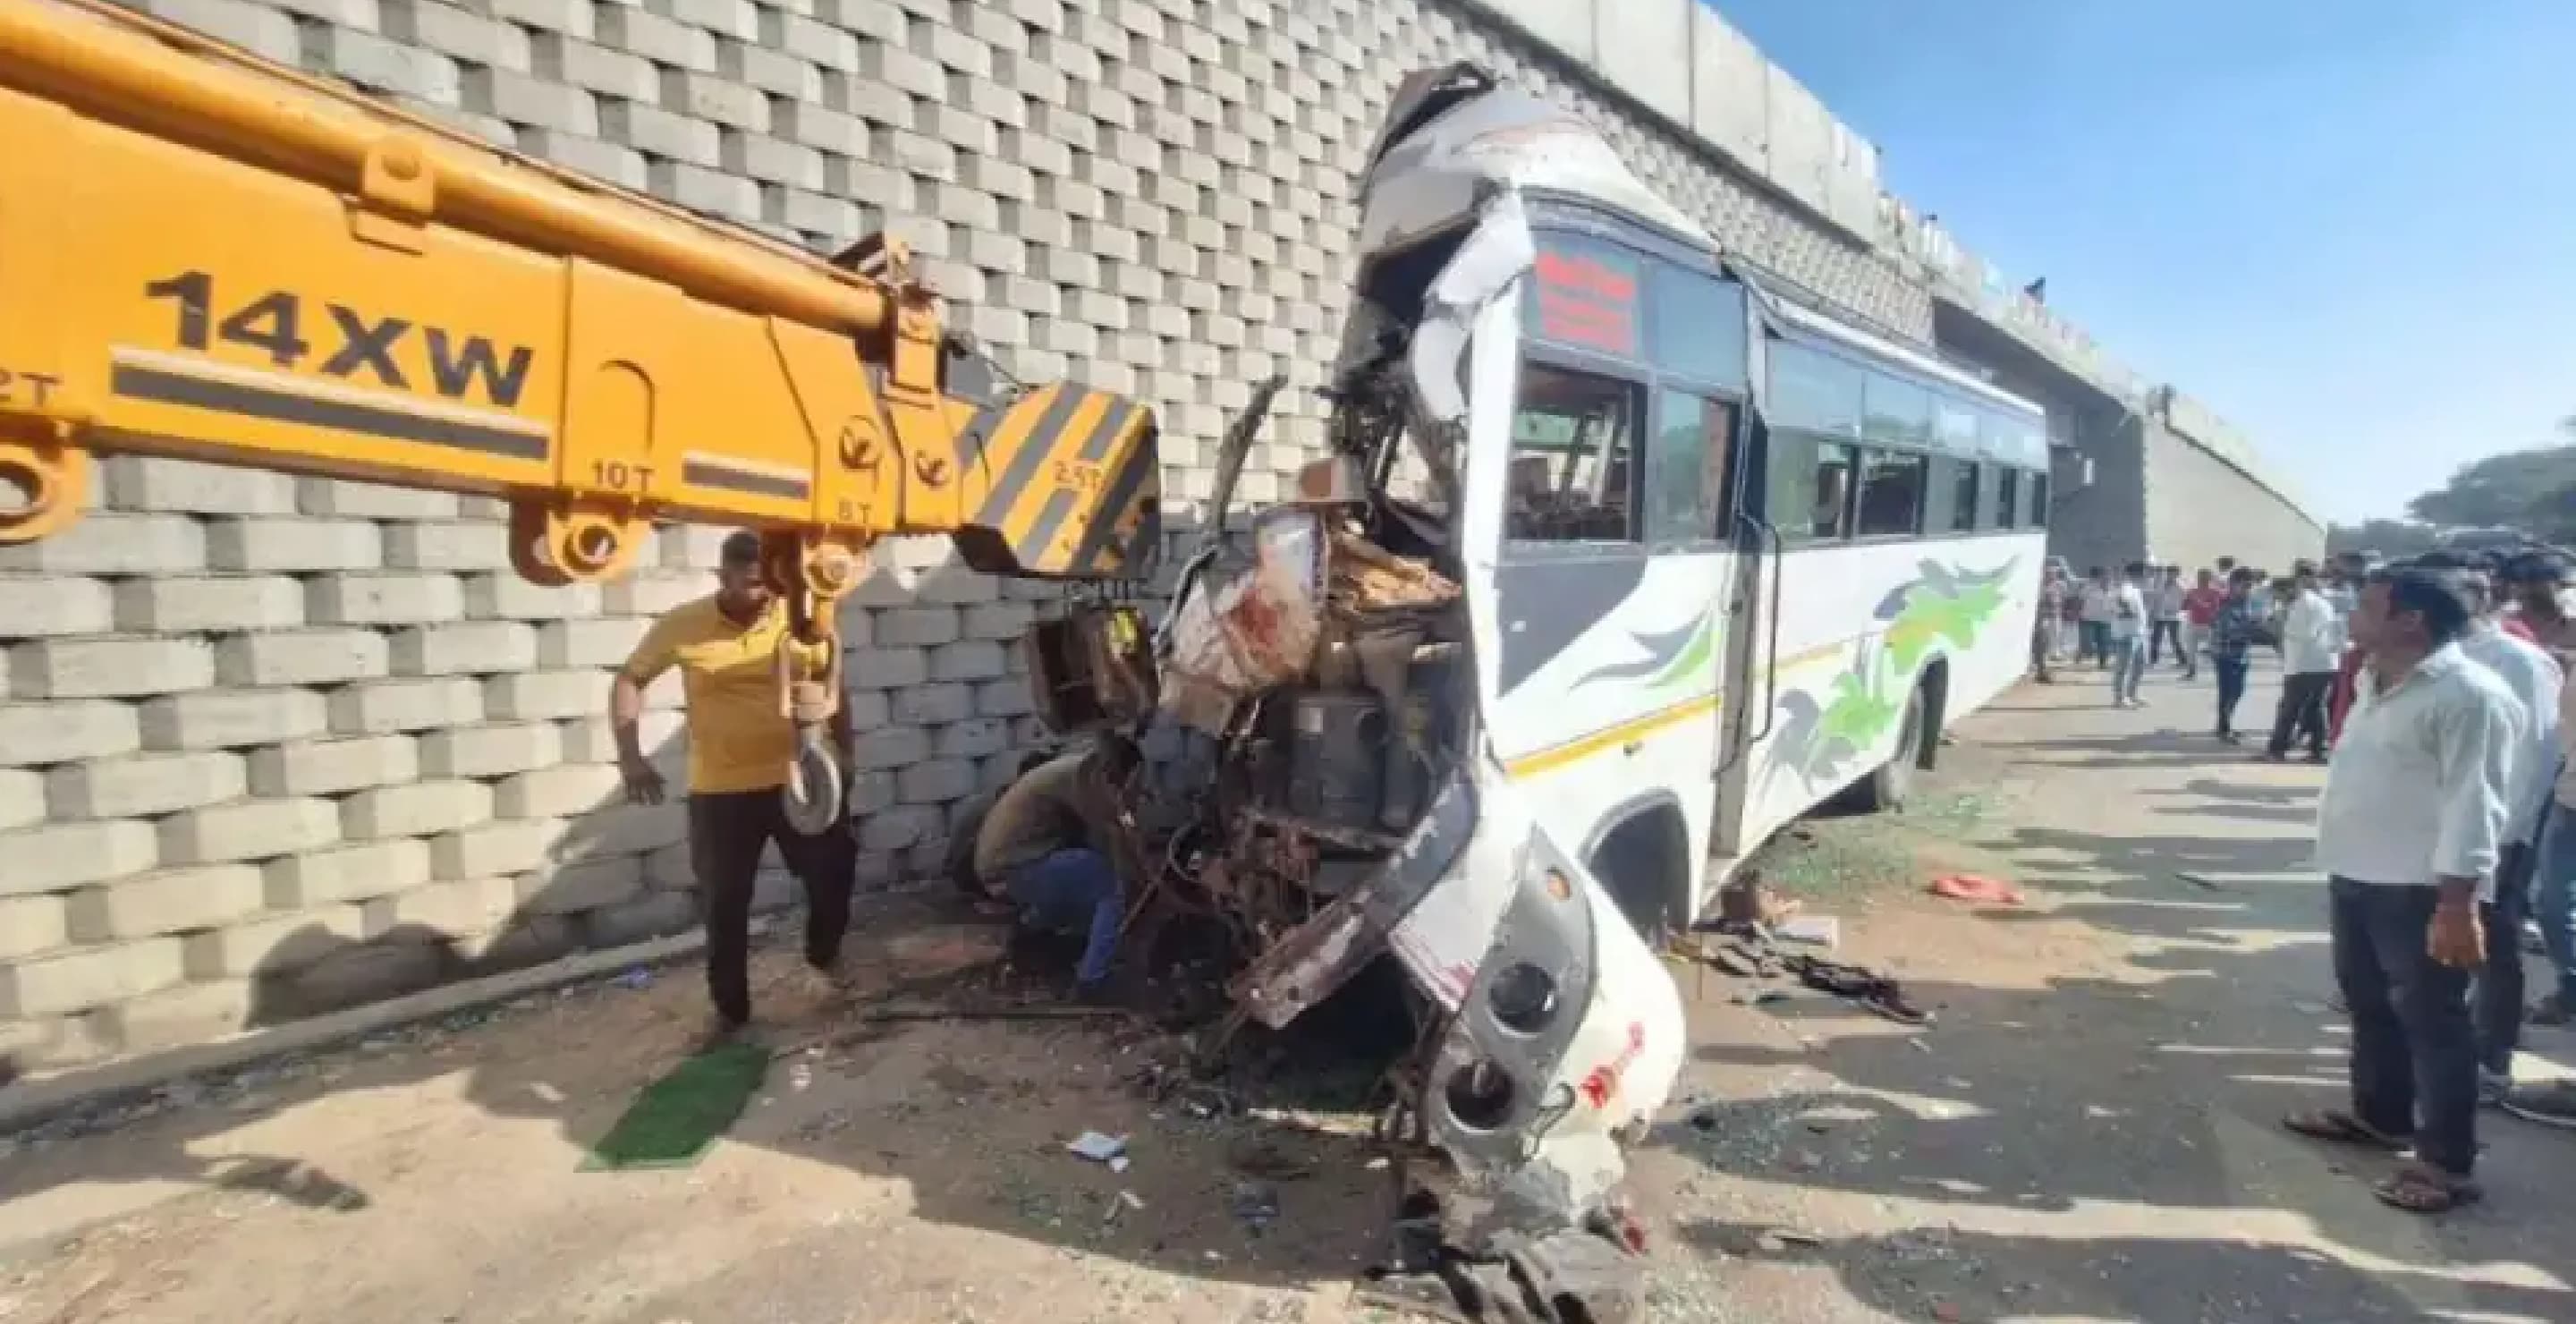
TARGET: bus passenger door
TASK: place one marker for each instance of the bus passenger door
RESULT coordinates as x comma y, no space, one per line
1749,668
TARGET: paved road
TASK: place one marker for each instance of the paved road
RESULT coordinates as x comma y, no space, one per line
2091,1129
2087,1132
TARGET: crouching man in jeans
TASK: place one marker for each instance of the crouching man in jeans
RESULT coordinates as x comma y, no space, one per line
2408,831
740,742
1046,846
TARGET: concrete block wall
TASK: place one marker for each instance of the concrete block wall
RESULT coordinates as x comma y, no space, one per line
270,746
2200,507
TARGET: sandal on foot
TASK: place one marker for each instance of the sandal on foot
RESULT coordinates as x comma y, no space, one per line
2418,1189
2342,1128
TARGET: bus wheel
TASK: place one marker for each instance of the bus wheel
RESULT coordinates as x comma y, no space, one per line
1887,788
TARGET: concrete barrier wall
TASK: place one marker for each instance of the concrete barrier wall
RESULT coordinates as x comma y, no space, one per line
2200,506
272,746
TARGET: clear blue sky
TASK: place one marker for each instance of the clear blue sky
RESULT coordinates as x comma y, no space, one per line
2347,225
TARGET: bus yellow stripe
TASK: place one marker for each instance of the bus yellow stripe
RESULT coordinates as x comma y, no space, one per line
1557,756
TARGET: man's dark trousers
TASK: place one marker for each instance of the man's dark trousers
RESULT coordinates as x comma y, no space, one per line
726,833
2302,712
2231,689
2414,1043
2500,984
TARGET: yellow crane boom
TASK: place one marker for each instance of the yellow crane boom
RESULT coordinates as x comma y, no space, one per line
205,254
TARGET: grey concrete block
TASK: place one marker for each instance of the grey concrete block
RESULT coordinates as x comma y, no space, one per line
662,40
902,70
259,28
299,545
332,767
33,607
931,704
531,101
574,60
385,706
661,133
115,544
701,189
229,718
471,38
785,73
143,785
773,161
710,96
190,605
824,44
109,667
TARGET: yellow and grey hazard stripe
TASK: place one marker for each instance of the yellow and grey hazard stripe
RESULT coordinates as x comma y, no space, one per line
1048,451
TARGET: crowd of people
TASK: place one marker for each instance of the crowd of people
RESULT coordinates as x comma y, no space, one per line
2436,692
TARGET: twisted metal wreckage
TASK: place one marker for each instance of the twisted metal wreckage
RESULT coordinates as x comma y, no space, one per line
1314,782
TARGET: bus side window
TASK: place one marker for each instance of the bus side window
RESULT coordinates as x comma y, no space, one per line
1809,486
1687,464
1892,489
1572,473
1836,467
1966,486
2007,497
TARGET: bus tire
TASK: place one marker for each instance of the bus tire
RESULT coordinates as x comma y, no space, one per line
1886,788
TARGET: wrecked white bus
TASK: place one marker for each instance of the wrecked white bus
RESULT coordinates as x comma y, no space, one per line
1619,561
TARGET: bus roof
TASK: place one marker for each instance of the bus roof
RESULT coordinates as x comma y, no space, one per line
1801,321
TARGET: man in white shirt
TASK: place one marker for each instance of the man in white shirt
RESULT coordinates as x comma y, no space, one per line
2312,639
2555,891
2535,682
2094,616
2166,586
2542,586
2129,637
2410,827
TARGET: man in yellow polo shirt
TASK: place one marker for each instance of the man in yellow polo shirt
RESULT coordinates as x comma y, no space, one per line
740,743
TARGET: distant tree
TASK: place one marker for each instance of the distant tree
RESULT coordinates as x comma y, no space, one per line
2554,510
2533,490
2388,537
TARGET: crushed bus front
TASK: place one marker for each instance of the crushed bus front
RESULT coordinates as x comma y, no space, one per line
1317,782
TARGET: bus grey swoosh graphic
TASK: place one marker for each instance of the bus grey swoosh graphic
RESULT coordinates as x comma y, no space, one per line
1662,651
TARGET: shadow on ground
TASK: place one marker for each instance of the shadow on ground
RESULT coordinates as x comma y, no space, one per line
2102,1141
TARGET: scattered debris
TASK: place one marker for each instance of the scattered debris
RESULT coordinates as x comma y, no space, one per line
1975,888
1255,1205
1097,1147
1748,901
1812,930
1762,997
636,978
1267,1159
1869,989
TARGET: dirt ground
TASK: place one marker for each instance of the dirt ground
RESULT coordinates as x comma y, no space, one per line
2087,1132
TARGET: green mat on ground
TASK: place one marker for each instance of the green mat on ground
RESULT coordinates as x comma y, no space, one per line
675,1120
